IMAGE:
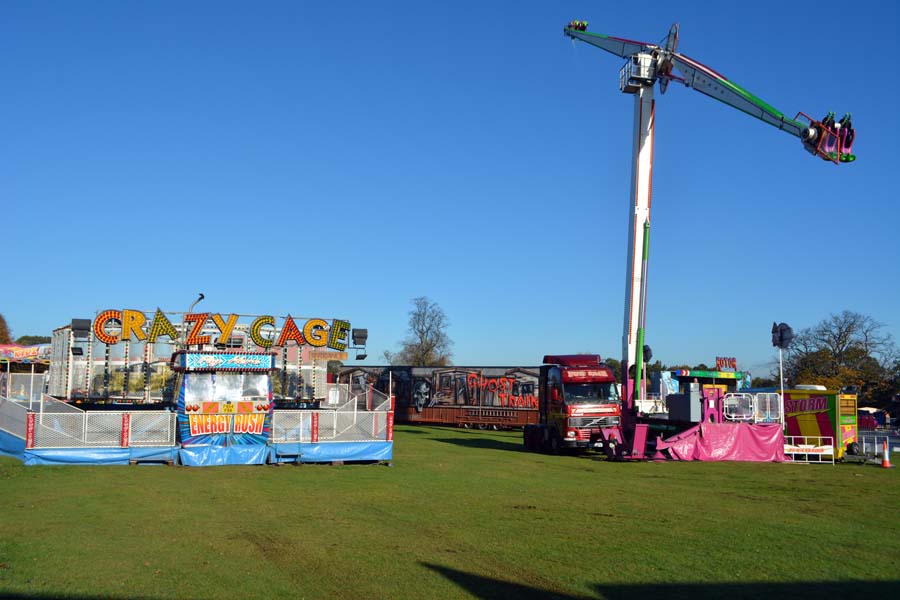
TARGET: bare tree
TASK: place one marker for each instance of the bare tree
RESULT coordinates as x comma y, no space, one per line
427,344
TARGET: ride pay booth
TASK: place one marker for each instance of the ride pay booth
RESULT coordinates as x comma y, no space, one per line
224,407
687,406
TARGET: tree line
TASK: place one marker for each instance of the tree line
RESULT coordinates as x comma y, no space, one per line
842,351
847,351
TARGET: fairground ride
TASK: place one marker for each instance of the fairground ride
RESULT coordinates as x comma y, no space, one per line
645,65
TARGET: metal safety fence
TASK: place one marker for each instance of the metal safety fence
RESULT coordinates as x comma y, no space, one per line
13,417
101,429
809,449
313,426
50,404
764,407
23,386
353,427
291,426
873,443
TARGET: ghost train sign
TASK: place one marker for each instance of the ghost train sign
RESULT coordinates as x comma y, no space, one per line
200,329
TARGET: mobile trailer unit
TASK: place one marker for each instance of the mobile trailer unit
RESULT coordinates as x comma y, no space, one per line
822,414
465,396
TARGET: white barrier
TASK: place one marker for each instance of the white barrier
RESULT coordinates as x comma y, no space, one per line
13,417
809,449
311,426
752,408
101,429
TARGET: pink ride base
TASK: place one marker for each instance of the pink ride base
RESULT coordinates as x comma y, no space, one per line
762,442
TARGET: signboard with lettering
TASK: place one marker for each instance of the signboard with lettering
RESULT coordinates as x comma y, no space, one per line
199,329
17,353
820,414
726,362
223,361
224,398
708,374
572,375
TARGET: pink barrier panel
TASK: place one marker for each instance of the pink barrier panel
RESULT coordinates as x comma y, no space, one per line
728,441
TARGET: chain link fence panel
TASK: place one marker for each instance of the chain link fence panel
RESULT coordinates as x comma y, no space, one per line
291,426
152,428
103,429
13,417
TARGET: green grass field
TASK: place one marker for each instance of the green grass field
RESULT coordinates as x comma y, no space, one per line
461,514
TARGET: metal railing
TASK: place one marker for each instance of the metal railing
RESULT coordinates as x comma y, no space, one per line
752,408
13,417
291,426
809,449
60,425
104,429
768,408
341,422
872,443
308,426
23,386
739,407
152,428
50,404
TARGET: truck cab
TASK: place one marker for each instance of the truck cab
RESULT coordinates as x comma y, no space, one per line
579,404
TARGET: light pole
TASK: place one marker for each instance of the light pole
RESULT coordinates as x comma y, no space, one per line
189,311
782,336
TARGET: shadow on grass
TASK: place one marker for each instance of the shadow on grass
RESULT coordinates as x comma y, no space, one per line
58,596
487,588
454,429
483,442
490,589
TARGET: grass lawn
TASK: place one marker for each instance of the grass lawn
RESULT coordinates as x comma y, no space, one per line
461,514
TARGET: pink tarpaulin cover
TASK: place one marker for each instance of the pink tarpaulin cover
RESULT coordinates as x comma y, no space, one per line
728,441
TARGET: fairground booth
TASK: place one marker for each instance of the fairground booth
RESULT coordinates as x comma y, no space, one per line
807,423
23,371
691,384
198,389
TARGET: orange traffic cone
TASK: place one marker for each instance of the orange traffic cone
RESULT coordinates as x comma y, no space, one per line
885,458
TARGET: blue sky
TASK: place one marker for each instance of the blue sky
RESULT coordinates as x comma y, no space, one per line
339,159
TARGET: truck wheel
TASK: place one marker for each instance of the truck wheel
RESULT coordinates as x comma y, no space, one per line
528,438
555,442
853,448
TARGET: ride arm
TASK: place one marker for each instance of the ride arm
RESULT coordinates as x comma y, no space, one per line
705,80
619,46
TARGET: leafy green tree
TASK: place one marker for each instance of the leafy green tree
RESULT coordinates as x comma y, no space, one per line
615,365
764,382
31,340
657,367
4,332
843,350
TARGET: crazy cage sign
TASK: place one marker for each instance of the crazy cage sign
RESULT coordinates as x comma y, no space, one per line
198,329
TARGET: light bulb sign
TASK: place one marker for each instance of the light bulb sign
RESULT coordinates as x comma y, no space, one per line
198,329
223,364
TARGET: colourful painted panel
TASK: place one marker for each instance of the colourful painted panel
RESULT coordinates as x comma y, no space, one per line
224,361
224,408
815,413
709,374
